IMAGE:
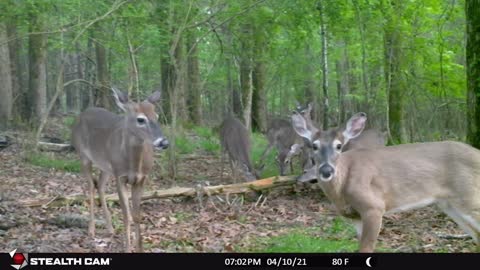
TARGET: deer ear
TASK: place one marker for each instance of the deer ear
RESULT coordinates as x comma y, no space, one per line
300,126
355,126
121,99
154,97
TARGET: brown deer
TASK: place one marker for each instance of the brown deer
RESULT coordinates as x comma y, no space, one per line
280,134
369,138
235,141
365,184
122,147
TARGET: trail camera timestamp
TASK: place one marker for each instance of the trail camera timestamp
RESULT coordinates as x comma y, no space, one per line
266,261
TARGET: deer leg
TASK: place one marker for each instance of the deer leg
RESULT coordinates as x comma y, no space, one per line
358,227
102,182
137,191
466,224
86,167
371,224
122,194
232,167
266,152
222,160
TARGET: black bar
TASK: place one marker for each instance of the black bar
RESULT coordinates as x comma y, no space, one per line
236,261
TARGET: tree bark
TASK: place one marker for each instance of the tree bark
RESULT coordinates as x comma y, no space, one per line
194,92
341,90
102,96
5,79
18,87
361,28
309,82
37,52
393,74
246,73
323,33
246,82
472,10
259,99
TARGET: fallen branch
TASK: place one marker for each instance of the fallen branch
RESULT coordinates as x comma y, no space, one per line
54,147
241,188
451,236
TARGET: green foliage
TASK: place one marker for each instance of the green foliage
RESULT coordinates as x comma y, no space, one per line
259,143
307,240
210,145
46,161
184,145
203,132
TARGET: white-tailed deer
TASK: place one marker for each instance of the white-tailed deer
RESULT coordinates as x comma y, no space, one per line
280,134
235,140
369,138
366,184
122,147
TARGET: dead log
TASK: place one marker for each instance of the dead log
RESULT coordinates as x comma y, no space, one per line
240,188
54,147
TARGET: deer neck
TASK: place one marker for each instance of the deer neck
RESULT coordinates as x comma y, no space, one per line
334,189
138,153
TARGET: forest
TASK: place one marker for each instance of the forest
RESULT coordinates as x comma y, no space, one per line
412,67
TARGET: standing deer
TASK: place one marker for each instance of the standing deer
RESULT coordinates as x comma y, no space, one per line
122,147
369,138
366,184
235,140
280,134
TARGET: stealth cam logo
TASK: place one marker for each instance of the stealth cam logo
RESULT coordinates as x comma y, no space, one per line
20,260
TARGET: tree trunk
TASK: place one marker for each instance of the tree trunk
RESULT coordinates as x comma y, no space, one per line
341,90
18,89
472,9
393,74
246,73
102,96
246,83
259,99
5,79
323,33
89,73
361,28
37,54
309,81
180,81
194,92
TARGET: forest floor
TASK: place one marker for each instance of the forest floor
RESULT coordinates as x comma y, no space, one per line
217,224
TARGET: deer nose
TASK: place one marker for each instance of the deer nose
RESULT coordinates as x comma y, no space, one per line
161,143
326,171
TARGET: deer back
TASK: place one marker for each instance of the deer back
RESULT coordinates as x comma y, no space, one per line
235,140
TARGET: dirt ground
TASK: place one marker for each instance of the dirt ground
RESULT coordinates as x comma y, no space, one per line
217,224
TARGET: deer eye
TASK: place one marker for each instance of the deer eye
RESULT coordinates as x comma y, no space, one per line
141,120
338,146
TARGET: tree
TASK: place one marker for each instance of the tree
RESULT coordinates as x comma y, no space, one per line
393,71
472,9
5,79
102,96
323,34
194,100
37,54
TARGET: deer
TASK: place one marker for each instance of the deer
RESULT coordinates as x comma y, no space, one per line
280,134
235,141
366,184
369,138
121,146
